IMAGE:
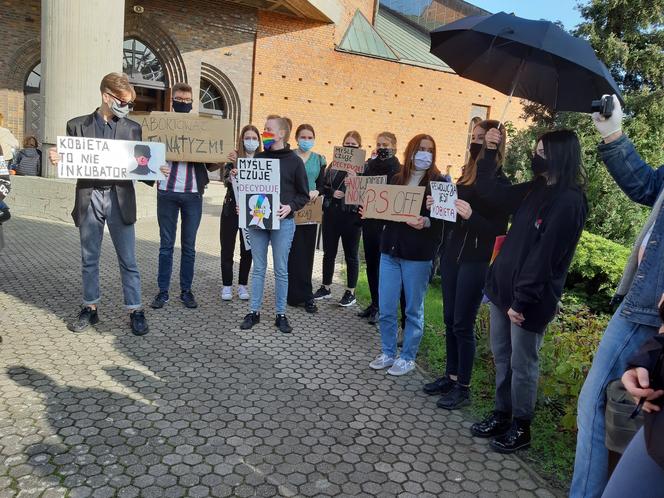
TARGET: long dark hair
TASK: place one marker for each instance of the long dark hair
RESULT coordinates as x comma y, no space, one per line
563,153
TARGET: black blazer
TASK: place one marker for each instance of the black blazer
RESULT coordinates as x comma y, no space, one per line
126,129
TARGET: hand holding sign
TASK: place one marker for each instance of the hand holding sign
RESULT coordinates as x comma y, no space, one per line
444,196
463,208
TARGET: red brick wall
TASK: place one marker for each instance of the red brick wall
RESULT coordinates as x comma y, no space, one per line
298,73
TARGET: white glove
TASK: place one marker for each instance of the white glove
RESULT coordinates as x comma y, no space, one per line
609,126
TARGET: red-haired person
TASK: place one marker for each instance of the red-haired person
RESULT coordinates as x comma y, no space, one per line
407,253
301,258
340,221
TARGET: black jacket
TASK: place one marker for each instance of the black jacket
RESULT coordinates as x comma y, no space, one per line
378,167
403,241
294,189
529,273
126,129
472,240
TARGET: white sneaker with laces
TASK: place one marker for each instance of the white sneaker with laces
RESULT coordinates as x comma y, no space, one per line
381,361
226,293
401,367
242,292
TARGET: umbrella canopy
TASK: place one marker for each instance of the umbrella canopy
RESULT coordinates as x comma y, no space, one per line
534,60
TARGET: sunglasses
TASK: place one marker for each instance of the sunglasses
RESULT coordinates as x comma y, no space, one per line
122,103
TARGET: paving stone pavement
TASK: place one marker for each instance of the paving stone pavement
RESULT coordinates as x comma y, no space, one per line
199,408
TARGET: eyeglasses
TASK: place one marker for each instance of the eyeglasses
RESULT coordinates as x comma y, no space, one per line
184,101
122,103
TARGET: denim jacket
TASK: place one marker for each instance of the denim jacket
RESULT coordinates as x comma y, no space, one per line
642,285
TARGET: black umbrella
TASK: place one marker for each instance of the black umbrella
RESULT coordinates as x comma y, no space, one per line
534,60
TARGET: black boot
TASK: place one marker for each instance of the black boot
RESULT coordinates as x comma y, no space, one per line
443,385
517,438
457,398
367,311
496,424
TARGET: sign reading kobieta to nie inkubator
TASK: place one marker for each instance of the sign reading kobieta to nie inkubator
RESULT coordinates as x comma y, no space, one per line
444,201
188,137
258,184
349,159
104,159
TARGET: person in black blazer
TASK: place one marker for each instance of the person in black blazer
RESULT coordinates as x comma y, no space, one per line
102,202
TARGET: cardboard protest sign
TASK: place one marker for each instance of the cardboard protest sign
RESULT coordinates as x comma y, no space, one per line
189,137
311,213
103,159
357,186
349,159
258,184
444,201
393,202
243,231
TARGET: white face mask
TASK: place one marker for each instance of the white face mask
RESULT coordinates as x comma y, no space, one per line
422,160
250,144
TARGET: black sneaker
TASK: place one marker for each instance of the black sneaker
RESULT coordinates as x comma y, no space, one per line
322,293
250,320
86,317
310,306
366,313
139,325
282,324
160,300
442,385
496,424
457,398
348,299
188,299
373,317
517,438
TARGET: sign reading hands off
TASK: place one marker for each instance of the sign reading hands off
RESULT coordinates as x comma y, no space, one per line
393,202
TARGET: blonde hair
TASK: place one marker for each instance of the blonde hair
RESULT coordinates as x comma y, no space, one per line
116,83
285,124
390,136
354,135
469,173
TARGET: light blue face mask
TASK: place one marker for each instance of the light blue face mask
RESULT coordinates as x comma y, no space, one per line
423,160
306,145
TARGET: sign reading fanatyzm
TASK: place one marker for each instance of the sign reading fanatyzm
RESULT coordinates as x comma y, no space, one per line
444,201
258,183
104,159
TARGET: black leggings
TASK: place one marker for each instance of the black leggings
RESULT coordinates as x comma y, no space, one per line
371,234
339,224
228,235
462,286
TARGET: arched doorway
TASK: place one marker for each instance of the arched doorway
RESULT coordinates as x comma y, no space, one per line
211,99
146,73
33,102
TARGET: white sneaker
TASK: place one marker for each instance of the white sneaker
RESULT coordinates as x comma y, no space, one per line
381,361
226,293
401,367
242,292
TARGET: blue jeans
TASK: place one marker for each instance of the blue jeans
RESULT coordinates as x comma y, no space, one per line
281,243
637,474
621,339
414,277
169,206
105,210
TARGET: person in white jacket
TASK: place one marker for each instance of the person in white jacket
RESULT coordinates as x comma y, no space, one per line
8,141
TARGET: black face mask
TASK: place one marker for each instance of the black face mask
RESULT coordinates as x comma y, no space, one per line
182,106
384,153
539,165
475,150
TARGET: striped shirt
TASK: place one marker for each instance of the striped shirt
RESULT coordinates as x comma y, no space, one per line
182,178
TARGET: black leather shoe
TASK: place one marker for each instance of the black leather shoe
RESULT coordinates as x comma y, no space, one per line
457,398
139,325
496,424
310,307
282,324
250,320
86,318
373,317
517,438
442,385
160,300
367,311
188,299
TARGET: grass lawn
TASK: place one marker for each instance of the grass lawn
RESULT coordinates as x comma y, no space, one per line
552,451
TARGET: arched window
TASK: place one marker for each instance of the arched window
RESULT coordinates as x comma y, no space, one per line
211,99
33,81
141,65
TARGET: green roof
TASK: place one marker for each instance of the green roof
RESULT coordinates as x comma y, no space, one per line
362,38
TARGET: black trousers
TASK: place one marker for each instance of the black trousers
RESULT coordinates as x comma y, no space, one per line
301,265
462,286
371,239
228,235
344,225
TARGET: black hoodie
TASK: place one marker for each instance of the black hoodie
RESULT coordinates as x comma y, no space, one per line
294,189
529,273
